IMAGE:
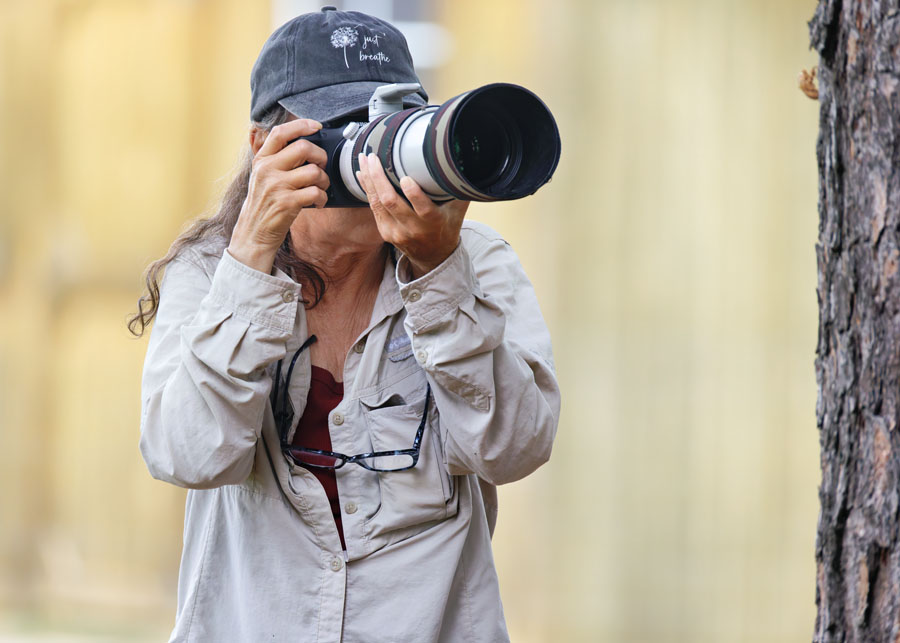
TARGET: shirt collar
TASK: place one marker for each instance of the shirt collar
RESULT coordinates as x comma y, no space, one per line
389,302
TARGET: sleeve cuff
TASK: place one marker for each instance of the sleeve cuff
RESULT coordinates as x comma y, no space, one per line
438,292
252,295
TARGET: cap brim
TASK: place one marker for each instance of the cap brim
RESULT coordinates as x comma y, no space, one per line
333,102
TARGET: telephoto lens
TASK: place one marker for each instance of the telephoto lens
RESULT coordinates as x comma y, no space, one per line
495,143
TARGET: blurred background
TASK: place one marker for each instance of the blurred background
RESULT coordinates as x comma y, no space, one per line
673,256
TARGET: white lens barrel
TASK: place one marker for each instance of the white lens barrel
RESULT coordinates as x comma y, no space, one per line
345,164
409,155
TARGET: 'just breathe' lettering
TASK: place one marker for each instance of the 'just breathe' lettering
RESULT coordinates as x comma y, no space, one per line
380,57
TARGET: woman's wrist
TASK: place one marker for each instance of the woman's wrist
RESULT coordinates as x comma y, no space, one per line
253,256
420,269
419,266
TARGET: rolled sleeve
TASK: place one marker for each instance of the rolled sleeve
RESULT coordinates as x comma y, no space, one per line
205,385
439,292
254,296
477,331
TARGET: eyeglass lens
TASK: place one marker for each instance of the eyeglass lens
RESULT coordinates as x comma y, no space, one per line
391,462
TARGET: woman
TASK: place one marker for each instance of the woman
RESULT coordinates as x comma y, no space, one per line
285,333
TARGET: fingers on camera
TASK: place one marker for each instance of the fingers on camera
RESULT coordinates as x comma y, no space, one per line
310,196
306,175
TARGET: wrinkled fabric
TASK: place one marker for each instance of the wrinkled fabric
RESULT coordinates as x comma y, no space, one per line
262,560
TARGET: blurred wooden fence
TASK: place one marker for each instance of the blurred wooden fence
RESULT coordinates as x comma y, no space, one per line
672,253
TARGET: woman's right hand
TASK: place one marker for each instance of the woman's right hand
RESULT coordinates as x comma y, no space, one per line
285,178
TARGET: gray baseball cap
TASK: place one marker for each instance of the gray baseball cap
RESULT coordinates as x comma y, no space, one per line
326,65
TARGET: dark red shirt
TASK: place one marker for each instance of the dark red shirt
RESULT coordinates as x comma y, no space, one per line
312,433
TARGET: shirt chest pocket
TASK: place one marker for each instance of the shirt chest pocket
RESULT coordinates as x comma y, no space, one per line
418,495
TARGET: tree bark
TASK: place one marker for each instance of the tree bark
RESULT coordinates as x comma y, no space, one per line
858,351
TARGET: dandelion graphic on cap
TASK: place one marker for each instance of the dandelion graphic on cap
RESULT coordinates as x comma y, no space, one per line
344,37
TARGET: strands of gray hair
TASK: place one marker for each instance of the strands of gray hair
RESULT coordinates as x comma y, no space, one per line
220,226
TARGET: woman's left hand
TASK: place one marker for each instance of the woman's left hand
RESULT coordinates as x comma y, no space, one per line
427,233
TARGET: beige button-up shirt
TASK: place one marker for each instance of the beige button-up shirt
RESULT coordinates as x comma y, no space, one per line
262,559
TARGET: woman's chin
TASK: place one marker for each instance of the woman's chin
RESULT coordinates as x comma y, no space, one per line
357,224
361,212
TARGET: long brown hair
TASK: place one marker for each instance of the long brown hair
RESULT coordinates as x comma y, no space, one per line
220,226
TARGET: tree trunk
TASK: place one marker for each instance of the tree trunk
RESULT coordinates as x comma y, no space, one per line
858,352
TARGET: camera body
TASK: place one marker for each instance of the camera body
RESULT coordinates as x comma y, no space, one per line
331,140
496,142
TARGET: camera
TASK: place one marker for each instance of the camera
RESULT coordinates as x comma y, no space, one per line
495,143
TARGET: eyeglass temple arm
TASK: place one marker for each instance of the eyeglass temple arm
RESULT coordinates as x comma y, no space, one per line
421,428
312,339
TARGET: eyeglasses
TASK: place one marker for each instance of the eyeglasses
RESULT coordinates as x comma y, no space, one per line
399,460
384,461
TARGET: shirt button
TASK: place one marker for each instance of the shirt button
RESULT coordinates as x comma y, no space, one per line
350,507
421,355
336,564
360,346
415,295
337,419
287,296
